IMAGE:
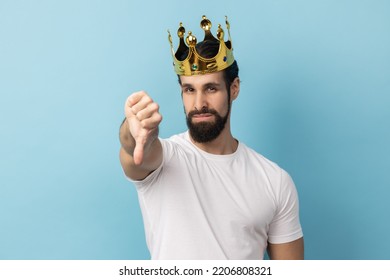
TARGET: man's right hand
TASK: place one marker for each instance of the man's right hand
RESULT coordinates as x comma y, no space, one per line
143,117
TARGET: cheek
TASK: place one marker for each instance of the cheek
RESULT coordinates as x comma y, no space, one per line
223,105
187,104
186,108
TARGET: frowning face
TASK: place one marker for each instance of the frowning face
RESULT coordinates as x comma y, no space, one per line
207,105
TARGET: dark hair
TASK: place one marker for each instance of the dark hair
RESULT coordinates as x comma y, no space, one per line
209,49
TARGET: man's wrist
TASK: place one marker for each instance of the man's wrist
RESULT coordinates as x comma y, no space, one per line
126,139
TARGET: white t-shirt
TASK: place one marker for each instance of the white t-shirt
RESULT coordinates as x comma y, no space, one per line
198,205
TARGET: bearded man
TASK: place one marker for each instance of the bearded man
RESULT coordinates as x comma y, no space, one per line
204,194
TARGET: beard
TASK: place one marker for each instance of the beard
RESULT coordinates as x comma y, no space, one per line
203,132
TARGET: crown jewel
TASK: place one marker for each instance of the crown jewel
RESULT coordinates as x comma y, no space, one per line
195,64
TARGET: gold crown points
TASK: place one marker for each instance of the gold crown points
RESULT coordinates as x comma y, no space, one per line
195,64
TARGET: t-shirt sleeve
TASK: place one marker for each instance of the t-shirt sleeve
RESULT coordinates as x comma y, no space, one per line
148,180
286,227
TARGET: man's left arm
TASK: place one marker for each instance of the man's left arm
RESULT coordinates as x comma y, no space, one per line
286,251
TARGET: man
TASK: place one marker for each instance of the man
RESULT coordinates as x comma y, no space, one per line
203,194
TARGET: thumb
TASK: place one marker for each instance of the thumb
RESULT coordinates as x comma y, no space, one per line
138,153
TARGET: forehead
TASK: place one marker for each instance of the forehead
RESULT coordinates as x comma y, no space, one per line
214,78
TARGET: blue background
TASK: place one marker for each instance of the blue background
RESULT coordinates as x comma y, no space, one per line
314,98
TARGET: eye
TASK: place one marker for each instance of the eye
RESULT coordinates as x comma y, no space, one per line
188,90
211,89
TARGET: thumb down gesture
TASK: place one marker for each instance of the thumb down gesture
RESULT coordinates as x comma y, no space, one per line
143,118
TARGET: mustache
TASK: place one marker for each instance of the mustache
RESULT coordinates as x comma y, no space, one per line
204,110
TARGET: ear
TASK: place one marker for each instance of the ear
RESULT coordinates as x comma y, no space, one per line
235,88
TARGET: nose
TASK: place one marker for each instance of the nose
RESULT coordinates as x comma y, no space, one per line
200,101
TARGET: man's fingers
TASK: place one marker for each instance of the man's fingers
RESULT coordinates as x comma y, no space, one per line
131,101
152,122
141,106
147,112
135,98
143,103
143,117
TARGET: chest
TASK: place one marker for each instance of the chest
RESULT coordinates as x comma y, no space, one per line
235,194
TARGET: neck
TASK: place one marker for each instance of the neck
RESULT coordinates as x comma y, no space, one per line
224,144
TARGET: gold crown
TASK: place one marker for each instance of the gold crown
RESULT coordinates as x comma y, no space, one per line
194,64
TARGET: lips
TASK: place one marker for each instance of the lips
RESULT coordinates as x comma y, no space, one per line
202,116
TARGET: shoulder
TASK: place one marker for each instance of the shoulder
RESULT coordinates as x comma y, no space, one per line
278,177
177,143
258,159
176,138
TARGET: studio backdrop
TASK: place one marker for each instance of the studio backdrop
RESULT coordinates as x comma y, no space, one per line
314,98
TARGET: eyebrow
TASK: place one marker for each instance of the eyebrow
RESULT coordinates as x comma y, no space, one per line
211,84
